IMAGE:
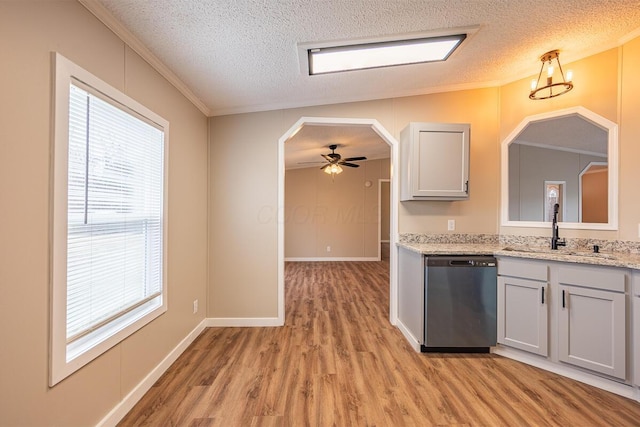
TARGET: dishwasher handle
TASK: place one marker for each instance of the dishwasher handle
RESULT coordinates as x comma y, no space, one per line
460,262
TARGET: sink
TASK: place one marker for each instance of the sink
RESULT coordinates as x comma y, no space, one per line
541,250
527,249
592,254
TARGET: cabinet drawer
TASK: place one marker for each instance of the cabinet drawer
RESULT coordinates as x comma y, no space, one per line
593,277
533,270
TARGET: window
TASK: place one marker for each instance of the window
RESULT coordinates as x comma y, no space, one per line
108,218
553,193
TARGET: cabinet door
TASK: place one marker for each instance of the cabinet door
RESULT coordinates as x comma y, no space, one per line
636,329
635,283
411,292
592,329
435,159
523,314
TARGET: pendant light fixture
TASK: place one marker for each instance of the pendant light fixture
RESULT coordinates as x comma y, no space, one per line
551,89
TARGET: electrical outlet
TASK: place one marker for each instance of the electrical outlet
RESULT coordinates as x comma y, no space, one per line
195,306
451,224
328,248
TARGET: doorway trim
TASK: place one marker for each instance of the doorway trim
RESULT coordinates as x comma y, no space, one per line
393,235
380,181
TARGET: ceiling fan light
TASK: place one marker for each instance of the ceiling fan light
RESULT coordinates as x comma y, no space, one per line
333,170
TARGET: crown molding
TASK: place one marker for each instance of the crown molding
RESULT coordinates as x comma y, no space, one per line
100,12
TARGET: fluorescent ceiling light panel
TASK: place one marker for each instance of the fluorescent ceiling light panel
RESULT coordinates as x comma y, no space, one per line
383,54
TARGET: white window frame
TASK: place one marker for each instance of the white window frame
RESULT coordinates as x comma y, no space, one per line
60,365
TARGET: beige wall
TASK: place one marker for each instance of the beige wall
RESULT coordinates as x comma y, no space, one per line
243,218
596,87
243,185
595,190
30,32
385,211
478,214
629,176
341,213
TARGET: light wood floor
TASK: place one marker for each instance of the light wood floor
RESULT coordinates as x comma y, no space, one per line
338,361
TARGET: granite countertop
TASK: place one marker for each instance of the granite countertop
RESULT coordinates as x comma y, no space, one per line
611,259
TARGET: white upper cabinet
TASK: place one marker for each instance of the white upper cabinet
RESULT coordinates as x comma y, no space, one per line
434,161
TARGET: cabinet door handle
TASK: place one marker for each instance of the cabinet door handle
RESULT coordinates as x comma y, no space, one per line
564,302
543,295
466,187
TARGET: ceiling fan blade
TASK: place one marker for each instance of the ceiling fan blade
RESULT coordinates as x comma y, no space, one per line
354,159
351,165
325,166
328,157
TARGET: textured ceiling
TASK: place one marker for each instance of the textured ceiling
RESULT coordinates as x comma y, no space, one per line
236,56
242,55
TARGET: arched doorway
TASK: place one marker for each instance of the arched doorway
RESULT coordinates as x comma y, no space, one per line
394,146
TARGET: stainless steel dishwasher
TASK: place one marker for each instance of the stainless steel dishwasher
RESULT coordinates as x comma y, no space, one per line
460,303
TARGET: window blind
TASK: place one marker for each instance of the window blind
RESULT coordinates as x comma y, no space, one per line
114,212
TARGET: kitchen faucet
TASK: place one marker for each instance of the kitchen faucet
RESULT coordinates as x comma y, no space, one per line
555,239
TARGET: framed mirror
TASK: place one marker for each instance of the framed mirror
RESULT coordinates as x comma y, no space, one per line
569,157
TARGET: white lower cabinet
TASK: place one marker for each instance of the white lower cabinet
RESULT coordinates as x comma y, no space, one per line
592,318
569,313
523,314
636,328
411,293
591,328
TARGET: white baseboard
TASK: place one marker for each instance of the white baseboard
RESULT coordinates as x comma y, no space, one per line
215,322
415,344
129,401
314,259
593,380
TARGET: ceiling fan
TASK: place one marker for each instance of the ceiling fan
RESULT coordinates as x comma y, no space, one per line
335,160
